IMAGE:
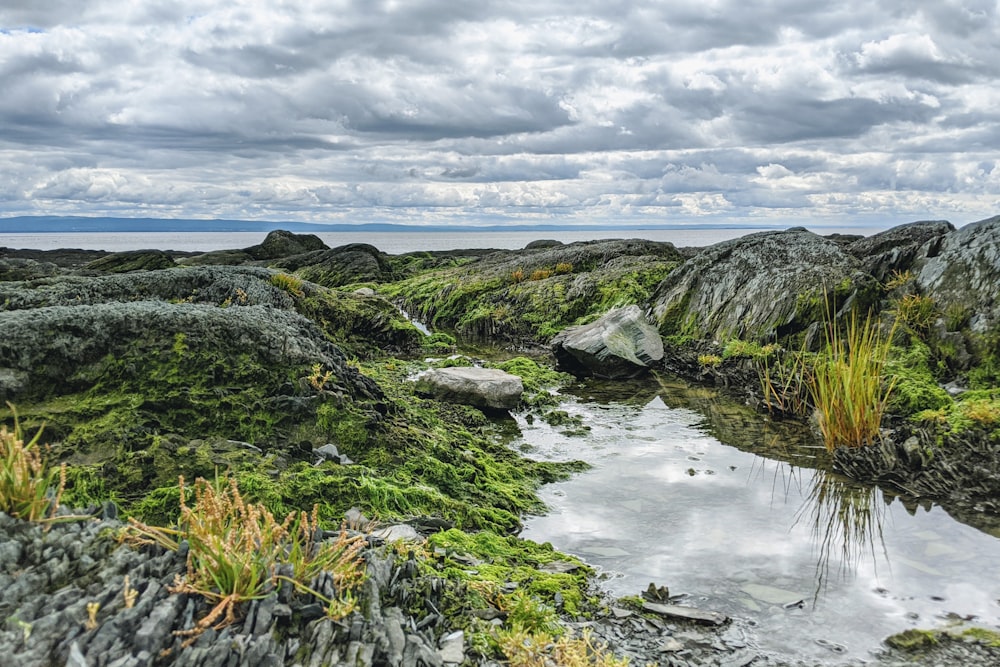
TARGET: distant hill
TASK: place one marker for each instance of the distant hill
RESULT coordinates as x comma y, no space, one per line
42,224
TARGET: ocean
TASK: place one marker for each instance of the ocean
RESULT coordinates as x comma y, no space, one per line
394,242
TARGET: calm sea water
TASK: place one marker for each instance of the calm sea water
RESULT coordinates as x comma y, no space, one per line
390,242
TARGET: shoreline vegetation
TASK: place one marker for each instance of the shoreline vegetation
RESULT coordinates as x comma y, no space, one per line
337,512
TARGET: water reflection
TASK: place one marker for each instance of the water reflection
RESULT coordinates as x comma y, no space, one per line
738,511
846,523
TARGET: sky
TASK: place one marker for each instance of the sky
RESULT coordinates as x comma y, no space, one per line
440,111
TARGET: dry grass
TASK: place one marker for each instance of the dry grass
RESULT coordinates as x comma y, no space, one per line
237,549
30,488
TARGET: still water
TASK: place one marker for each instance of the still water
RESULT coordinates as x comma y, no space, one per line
395,242
741,515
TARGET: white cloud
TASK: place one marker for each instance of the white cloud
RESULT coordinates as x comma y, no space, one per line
431,109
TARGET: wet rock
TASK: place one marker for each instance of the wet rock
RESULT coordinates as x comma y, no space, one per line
480,387
685,613
621,344
756,287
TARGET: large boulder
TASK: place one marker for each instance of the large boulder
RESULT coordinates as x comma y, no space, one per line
488,388
898,248
61,349
963,275
621,344
343,265
757,286
281,243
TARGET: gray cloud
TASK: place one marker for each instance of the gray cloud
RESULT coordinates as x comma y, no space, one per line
432,110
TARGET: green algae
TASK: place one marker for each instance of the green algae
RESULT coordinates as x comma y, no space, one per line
519,564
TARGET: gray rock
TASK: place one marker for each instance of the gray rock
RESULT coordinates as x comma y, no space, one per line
327,452
621,344
452,647
281,243
480,387
898,248
964,274
754,287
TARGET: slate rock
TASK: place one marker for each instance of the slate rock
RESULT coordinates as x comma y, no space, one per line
488,388
621,344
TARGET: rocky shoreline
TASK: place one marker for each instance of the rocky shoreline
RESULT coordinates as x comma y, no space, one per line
289,364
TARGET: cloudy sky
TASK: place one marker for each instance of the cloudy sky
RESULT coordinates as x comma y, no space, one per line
585,111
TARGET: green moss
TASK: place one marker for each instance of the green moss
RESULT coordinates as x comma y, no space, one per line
983,636
511,560
537,379
911,640
745,349
916,389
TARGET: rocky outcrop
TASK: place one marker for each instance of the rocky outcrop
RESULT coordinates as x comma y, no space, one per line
528,296
61,347
344,265
132,260
16,268
898,248
963,275
621,344
757,286
487,388
281,243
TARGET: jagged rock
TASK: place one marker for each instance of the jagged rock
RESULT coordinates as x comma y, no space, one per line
480,387
757,286
963,275
898,248
281,243
621,344
132,260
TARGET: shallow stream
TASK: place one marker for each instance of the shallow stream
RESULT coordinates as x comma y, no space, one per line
741,514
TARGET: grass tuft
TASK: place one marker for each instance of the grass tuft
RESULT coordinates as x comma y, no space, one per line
30,488
237,550
846,383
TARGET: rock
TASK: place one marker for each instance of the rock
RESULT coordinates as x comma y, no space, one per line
898,248
541,244
963,276
343,265
480,387
685,613
132,260
327,452
281,243
621,344
757,286
452,647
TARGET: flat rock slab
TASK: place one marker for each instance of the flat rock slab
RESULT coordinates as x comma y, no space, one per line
488,388
686,613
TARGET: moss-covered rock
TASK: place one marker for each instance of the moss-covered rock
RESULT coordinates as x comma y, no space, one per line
530,295
759,286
